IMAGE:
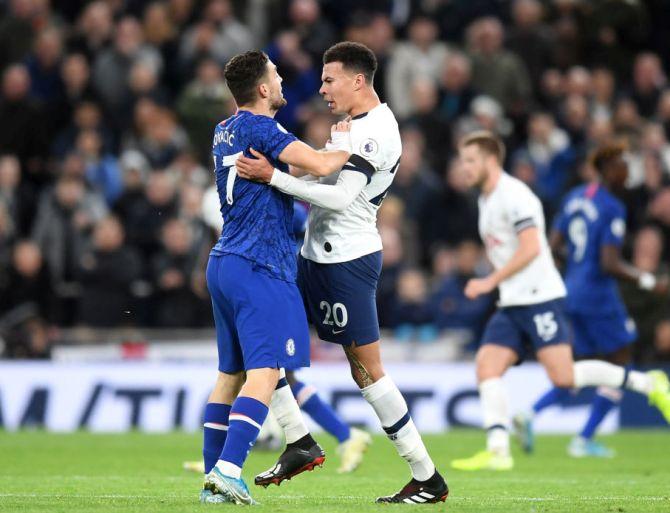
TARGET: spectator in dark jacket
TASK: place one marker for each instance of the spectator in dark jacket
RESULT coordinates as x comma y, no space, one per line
106,273
177,303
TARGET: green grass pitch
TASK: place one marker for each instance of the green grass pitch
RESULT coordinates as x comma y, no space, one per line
82,472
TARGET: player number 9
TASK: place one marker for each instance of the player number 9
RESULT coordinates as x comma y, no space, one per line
578,236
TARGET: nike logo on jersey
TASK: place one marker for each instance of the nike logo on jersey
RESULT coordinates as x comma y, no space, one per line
337,332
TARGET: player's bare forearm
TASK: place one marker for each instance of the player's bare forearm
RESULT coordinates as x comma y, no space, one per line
613,263
317,163
557,245
298,172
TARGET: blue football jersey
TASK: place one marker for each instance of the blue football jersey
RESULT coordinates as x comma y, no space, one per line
590,218
257,218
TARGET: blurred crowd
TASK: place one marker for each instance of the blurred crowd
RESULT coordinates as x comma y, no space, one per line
107,211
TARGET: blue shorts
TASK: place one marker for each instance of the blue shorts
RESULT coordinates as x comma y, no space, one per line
260,320
531,327
340,299
600,335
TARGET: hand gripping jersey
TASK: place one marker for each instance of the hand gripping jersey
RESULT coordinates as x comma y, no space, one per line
257,219
334,237
509,209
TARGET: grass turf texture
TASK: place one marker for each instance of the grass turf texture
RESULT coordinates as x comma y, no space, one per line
82,472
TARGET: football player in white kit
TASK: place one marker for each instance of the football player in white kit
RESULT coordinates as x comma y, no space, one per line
340,260
530,311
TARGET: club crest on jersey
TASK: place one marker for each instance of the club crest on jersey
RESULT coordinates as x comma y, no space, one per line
290,347
369,147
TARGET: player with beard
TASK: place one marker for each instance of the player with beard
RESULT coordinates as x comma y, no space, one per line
530,313
340,261
251,274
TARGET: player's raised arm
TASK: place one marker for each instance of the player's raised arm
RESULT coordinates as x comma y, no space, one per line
335,197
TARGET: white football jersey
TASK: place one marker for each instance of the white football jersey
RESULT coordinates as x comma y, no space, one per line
508,209
334,237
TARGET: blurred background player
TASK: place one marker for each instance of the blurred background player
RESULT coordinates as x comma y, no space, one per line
340,261
254,258
592,226
530,309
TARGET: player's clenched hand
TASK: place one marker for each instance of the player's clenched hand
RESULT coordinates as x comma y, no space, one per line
339,136
478,286
258,169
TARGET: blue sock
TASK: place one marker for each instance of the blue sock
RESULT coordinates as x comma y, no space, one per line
244,423
600,407
321,412
214,433
554,396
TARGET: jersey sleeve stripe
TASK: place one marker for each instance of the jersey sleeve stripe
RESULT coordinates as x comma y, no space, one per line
522,224
358,163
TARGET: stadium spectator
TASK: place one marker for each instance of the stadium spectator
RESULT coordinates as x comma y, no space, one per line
456,91
648,82
94,30
143,215
300,77
415,181
412,313
112,65
24,136
203,103
438,225
16,32
65,217
106,272
453,311
549,152
15,199
422,56
181,299
25,282
218,34
101,170
43,65
426,117
530,38
497,72
646,309
315,33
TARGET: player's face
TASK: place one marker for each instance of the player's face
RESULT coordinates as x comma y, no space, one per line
337,87
473,162
618,174
276,97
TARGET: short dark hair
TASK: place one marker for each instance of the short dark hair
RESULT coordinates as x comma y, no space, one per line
486,141
243,73
606,153
353,56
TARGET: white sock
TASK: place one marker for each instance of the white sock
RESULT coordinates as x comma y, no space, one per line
287,412
391,409
495,411
639,382
593,373
229,469
597,373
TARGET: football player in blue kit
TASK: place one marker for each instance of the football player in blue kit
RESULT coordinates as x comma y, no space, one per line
260,320
340,261
591,226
